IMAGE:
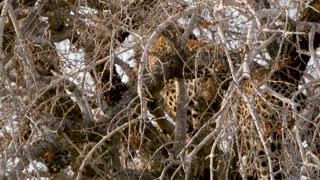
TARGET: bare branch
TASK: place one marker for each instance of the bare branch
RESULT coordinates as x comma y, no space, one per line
4,12
312,51
180,130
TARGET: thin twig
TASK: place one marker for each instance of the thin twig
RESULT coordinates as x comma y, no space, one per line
26,54
213,147
111,62
2,56
312,51
4,12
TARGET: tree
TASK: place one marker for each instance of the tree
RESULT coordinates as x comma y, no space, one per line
89,89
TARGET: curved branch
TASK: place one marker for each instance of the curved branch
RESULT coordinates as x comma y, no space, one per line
90,153
82,102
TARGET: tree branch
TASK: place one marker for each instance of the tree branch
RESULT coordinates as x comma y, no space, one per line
180,130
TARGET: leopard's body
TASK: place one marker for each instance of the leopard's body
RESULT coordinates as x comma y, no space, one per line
201,66
275,104
203,95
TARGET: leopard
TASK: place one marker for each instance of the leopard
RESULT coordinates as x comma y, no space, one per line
276,104
205,77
